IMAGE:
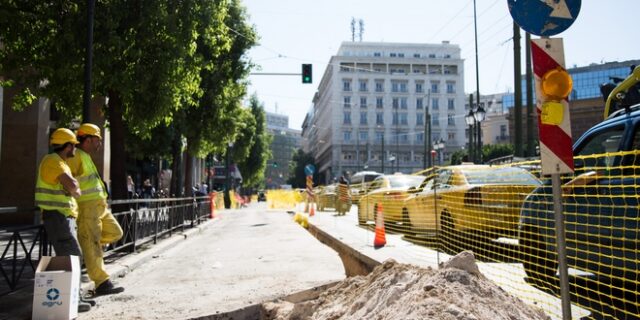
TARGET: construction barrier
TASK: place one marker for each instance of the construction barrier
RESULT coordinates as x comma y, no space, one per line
504,214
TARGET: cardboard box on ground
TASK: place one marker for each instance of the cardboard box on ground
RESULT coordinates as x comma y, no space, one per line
56,288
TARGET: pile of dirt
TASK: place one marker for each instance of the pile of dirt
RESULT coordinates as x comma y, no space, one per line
457,290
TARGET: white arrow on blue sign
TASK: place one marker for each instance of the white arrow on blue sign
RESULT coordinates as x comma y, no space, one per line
309,169
544,17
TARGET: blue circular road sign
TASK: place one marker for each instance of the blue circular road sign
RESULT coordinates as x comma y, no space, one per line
544,17
309,169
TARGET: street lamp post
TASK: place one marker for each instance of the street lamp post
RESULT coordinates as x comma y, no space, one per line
470,120
438,145
479,116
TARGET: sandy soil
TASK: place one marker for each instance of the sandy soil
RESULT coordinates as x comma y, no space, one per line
456,290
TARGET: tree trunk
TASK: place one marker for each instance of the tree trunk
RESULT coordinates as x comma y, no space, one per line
118,152
188,175
176,164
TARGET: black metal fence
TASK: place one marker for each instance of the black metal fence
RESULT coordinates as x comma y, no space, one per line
143,222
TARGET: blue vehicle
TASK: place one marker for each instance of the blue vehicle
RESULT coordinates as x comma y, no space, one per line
601,207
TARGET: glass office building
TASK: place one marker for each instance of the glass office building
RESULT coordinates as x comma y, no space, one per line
586,80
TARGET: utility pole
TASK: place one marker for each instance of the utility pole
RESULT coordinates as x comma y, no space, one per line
517,79
530,144
471,132
383,155
475,25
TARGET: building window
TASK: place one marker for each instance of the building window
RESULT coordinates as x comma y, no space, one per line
363,102
404,138
451,136
451,87
347,102
416,55
419,103
395,86
395,102
379,86
379,118
363,117
447,56
379,101
434,87
451,104
377,54
346,136
419,87
363,85
346,85
364,136
403,87
435,104
435,119
392,54
379,136
432,55
347,118
403,103
420,138
404,118
419,119
401,55
394,119
451,120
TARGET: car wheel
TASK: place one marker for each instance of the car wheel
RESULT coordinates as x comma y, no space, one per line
540,264
449,237
406,223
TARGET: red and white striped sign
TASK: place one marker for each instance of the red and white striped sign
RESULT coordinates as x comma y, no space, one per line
556,151
310,186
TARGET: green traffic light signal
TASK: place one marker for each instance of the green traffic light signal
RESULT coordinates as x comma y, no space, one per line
275,164
306,73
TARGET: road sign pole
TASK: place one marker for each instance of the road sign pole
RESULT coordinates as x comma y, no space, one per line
565,294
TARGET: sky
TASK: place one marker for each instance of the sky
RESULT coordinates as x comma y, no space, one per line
293,32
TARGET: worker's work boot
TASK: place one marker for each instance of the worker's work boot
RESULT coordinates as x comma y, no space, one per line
83,306
107,287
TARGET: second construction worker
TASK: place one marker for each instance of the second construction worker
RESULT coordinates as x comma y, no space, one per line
96,224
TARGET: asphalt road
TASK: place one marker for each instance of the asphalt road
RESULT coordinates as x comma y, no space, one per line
244,257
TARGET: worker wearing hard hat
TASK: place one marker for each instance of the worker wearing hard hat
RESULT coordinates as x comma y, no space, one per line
96,224
55,194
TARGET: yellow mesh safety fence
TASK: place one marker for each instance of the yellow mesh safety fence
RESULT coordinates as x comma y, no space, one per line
285,199
505,215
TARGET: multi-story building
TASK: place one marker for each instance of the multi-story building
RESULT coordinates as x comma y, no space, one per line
285,142
370,108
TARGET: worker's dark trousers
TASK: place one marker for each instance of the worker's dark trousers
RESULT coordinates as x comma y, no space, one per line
61,233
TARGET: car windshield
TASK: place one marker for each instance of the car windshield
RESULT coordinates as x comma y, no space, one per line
405,181
500,176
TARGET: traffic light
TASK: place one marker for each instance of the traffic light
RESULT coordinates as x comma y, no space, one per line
306,73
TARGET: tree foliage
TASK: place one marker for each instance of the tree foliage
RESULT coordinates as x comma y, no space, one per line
254,164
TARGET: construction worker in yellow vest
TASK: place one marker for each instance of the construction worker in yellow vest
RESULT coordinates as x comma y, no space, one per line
96,224
55,194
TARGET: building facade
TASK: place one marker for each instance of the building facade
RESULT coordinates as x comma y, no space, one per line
372,103
285,142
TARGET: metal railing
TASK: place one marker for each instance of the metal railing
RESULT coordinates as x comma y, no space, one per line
143,221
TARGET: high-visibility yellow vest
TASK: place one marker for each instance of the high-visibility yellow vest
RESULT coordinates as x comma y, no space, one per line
53,196
91,185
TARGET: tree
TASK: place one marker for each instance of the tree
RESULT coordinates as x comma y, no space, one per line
493,151
297,176
254,165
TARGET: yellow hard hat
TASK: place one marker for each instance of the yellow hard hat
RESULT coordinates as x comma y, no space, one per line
62,136
89,129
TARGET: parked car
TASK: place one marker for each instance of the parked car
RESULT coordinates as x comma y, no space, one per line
262,196
481,199
387,192
326,197
360,183
600,202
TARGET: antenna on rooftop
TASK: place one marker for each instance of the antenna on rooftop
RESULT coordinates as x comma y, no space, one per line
361,29
353,29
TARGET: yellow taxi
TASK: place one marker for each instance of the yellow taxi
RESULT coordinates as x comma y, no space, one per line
480,199
387,193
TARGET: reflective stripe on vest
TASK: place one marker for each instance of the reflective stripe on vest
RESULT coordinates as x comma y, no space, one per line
54,197
91,185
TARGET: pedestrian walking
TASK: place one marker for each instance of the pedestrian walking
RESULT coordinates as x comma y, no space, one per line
55,194
96,225
344,196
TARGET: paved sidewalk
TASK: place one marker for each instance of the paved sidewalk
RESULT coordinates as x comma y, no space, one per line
17,305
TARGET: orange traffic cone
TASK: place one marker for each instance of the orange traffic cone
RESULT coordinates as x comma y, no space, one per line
380,240
212,199
312,211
